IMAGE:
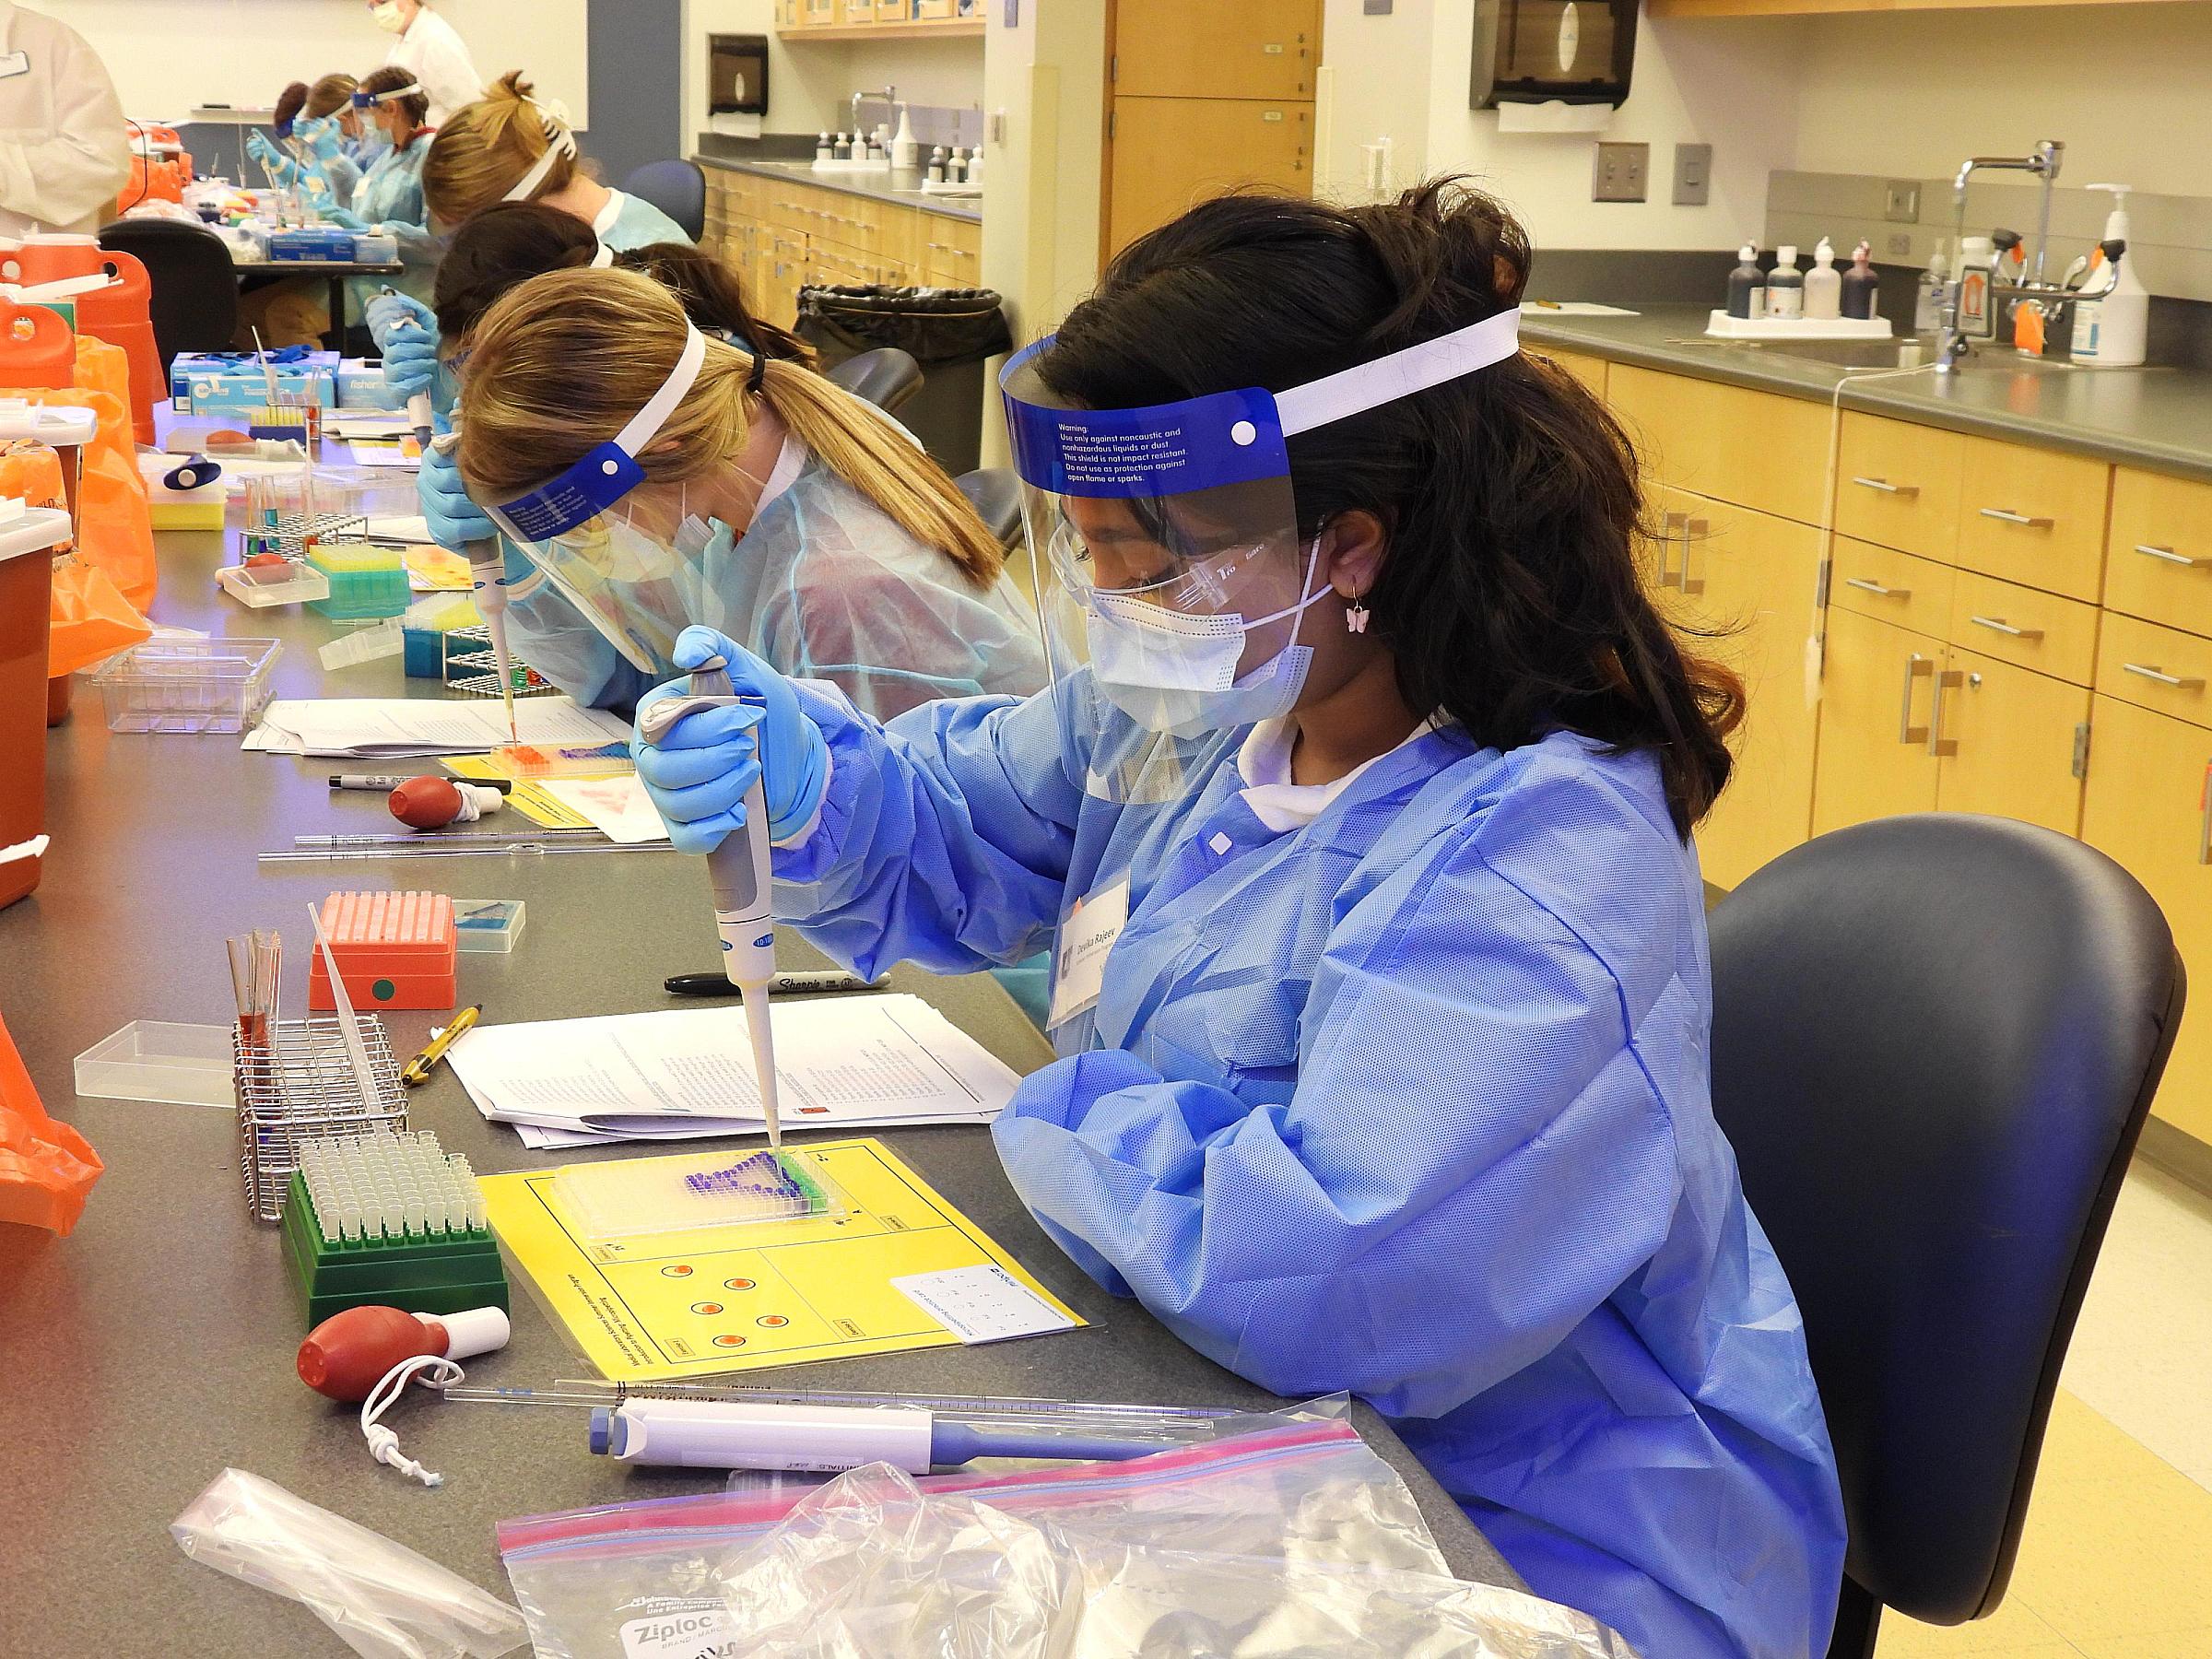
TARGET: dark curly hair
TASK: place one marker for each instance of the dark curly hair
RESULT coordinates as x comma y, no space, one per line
1510,592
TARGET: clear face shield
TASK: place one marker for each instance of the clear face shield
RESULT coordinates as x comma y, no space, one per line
1172,585
632,555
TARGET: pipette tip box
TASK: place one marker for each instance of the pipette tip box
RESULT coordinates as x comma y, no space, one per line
365,581
391,1220
394,950
487,927
630,1198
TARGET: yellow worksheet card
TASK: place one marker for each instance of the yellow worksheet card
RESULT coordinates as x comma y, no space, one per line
686,1305
527,797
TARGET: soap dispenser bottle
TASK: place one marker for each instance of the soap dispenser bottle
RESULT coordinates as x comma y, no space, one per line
1860,286
1747,285
906,149
1786,286
2111,331
1824,284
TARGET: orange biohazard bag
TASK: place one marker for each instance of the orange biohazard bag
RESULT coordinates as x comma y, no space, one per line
91,620
46,1169
114,525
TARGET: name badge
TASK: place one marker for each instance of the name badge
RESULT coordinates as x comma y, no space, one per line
14,63
1086,938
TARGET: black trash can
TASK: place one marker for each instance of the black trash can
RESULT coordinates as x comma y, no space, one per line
949,331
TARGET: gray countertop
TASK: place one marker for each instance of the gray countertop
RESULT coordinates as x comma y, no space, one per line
153,1346
902,185
2159,418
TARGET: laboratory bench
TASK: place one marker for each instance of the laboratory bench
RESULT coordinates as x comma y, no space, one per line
153,1346
2007,581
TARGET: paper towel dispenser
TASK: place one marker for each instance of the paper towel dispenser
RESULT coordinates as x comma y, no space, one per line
737,75
1577,52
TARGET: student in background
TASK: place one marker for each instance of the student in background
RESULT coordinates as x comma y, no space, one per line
389,199
431,50
64,150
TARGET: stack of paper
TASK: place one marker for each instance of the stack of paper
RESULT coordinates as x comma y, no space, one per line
843,1063
396,728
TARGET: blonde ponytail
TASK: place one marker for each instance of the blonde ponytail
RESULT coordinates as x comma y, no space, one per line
561,362
485,147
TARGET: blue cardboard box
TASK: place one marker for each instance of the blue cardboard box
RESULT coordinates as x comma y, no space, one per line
230,383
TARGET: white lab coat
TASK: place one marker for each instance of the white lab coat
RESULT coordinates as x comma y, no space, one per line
64,152
431,51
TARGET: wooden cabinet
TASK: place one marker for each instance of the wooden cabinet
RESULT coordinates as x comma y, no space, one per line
1748,580
1891,586
2025,626
1261,49
952,253
1589,370
2033,516
1896,485
2159,669
1756,449
1167,153
1877,688
824,21
781,234
2146,806
2157,563
2007,742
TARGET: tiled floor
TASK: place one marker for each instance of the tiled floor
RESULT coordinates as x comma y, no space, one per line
2116,1561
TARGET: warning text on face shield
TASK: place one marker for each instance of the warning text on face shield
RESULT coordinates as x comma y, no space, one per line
1089,457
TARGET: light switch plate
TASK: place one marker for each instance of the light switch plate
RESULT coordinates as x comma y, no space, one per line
1693,175
1901,201
1620,172
1376,8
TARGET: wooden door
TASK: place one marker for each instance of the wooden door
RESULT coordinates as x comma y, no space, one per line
2007,741
2146,806
1747,581
1262,48
1167,153
1876,688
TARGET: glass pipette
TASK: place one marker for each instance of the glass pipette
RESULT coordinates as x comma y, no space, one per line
431,847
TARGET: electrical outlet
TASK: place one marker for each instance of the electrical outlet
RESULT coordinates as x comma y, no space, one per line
1900,244
1693,175
1901,201
1620,171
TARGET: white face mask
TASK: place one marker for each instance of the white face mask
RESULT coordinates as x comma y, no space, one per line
1176,672
389,17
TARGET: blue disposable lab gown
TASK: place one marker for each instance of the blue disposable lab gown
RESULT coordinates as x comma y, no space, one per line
639,224
1412,1101
389,199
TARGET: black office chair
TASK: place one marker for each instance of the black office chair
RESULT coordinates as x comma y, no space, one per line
677,188
194,302
1934,1039
886,377
995,494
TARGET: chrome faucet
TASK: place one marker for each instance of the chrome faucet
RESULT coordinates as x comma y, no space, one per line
2052,298
889,94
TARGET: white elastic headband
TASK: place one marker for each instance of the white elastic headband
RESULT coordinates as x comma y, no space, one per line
645,424
1369,385
603,258
410,89
560,141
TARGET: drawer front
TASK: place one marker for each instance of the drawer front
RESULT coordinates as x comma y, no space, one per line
2155,667
1589,370
1896,485
1891,586
2158,565
1756,449
2033,516
2023,625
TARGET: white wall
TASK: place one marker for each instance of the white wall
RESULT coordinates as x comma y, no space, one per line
168,57
2128,89
1372,87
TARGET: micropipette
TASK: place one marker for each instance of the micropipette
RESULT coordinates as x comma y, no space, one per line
487,575
739,870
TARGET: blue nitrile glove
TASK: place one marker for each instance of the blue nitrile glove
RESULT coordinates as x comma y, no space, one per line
388,314
454,520
344,219
697,773
322,134
411,362
281,167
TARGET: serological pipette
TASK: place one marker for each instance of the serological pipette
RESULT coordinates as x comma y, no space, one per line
440,847
739,870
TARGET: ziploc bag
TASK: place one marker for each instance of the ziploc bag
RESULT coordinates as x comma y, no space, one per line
384,1600
1293,1540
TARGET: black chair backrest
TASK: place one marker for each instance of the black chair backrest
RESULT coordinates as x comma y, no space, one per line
1934,1039
886,377
677,188
195,300
995,493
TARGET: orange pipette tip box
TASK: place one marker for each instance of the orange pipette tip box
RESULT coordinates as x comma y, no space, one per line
396,950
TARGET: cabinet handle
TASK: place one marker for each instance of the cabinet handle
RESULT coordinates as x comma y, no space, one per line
1876,589
2203,808
2170,556
1916,667
1887,488
2175,680
1938,743
2006,515
2003,627
1670,525
1694,530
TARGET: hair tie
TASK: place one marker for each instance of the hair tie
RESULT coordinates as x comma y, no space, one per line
758,377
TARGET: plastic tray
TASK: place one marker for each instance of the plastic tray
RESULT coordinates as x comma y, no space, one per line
1721,327
305,583
152,1060
636,1197
185,685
